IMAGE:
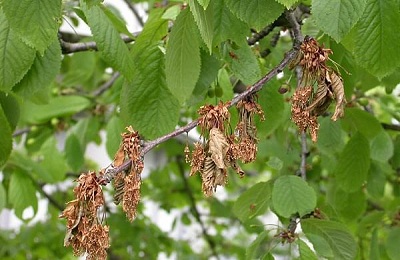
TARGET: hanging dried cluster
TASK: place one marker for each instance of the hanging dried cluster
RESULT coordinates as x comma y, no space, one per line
127,184
307,103
85,233
219,150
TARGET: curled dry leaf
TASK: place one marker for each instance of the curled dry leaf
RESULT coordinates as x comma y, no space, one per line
212,176
218,147
338,91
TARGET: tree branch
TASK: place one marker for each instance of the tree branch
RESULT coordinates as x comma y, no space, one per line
108,84
68,47
51,200
194,209
135,12
391,127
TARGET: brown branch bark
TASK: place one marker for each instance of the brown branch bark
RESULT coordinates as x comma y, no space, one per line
68,47
135,12
108,84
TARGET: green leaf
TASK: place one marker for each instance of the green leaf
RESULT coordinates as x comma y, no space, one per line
182,65
243,63
109,42
16,56
11,108
253,202
350,205
369,221
119,24
31,165
114,128
147,102
43,71
330,136
204,3
251,250
336,18
362,121
392,243
377,178
335,235
227,25
22,192
374,246
80,68
377,45
352,167
5,138
57,107
53,161
204,19
74,153
382,147
287,3
36,22
291,195
305,252
321,246
256,13
3,197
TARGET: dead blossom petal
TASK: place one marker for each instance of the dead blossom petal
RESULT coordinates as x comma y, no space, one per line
131,195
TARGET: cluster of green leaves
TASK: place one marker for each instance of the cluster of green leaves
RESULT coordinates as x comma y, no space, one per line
190,53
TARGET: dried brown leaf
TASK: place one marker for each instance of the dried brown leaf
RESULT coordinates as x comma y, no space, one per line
212,176
119,157
218,147
338,91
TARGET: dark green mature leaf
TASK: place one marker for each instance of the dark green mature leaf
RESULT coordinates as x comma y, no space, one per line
43,71
253,202
5,138
374,246
377,45
382,147
182,65
22,192
74,153
362,121
114,129
287,3
147,102
377,178
392,243
3,197
108,40
227,25
291,195
336,18
256,13
251,251
305,252
243,63
349,205
79,68
330,136
204,19
58,106
352,167
16,56
334,234
36,22
11,108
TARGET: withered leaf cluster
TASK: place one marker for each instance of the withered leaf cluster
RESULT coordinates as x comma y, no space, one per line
308,102
85,233
127,184
220,151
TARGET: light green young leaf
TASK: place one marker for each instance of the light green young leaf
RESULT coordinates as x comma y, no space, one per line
287,3
22,192
204,19
291,195
58,106
204,3
253,202
182,65
305,252
227,25
256,13
114,128
335,234
362,121
5,138
53,161
382,147
147,102
336,18
171,13
243,63
74,153
3,197
392,243
108,40
11,108
251,250
377,46
117,22
16,56
42,72
352,167
36,22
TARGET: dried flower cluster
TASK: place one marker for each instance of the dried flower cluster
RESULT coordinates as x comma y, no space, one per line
127,184
219,151
85,233
308,104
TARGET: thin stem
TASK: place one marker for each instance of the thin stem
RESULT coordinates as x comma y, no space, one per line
22,131
68,47
51,200
135,12
108,84
193,208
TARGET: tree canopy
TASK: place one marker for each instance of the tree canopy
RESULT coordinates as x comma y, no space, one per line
276,121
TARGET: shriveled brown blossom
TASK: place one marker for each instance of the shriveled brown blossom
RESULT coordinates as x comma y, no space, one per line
213,117
131,196
198,158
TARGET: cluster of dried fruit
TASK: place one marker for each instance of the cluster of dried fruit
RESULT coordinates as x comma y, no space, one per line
220,150
85,233
308,104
